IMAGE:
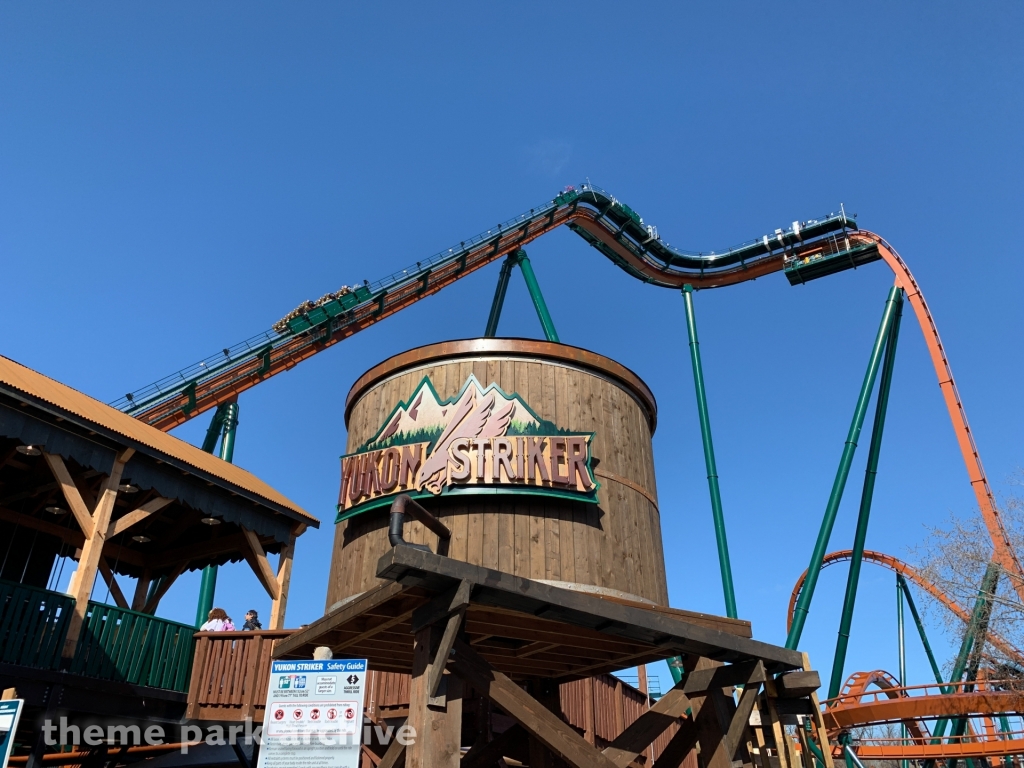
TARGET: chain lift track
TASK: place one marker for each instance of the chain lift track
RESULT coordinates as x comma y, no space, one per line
805,251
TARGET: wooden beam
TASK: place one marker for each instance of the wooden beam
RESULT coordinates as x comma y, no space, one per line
438,728
679,746
798,684
284,580
646,728
819,721
125,522
85,575
257,559
72,537
115,588
395,755
71,493
536,720
442,606
141,591
376,629
444,650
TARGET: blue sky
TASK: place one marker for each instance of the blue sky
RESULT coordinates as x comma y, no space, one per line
176,177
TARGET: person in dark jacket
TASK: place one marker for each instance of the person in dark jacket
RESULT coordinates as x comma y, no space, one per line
252,622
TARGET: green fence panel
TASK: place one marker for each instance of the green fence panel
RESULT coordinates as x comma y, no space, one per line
132,647
33,625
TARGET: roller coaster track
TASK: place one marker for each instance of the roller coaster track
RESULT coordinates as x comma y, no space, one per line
909,572
915,706
621,235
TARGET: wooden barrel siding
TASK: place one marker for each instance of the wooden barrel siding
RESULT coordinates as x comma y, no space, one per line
613,547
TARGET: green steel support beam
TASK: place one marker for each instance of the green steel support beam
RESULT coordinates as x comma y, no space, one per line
709,457
979,618
920,630
866,496
903,658
538,298
223,425
499,296
832,508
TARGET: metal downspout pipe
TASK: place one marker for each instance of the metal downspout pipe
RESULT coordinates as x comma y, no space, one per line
832,508
867,494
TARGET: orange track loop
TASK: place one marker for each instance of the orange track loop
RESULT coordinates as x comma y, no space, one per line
898,566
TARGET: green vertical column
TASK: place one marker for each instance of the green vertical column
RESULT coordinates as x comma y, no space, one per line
976,629
709,457
499,296
866,496
538,298
223,425
902,582
838,486
903,657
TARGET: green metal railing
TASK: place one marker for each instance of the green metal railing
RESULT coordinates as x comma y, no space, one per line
33,623
132,647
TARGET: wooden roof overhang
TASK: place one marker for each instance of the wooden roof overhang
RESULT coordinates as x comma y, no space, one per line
522,628
167,477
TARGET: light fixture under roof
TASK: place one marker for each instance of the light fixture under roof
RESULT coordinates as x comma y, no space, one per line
128,488
141,539
28,450
209,521
56,510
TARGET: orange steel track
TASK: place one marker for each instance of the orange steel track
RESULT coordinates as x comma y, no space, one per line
227,387
898,566
857,707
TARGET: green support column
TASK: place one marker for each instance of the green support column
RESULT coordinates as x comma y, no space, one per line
223,425
903,658
538,298
976,629
499,296
832,508
902,582
866,496
709,457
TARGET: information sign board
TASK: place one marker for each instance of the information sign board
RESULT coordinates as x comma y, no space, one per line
314,714
10,713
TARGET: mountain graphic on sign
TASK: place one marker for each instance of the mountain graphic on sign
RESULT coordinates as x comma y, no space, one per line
486,412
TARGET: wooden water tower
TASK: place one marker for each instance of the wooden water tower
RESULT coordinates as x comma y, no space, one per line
536,455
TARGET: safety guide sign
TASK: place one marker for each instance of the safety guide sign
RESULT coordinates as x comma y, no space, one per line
314,714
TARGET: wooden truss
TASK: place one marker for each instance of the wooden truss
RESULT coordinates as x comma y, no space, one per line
508,639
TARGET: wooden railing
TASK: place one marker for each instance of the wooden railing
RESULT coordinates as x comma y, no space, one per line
132,647
230,674
33,623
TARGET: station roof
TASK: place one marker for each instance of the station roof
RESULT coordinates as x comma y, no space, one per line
74,403
192,491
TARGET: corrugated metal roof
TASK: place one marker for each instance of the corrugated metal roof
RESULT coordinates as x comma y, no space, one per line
75,403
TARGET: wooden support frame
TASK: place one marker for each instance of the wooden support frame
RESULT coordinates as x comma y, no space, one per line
125,522
81,511
817,719
540,723
284,579
95,530
115,588
437,723
257,560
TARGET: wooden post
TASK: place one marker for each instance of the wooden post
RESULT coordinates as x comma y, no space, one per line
588,711
88,564
141,591
284,580
438,729
818,721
